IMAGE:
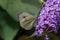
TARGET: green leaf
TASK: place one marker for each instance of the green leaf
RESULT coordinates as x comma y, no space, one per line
8,23
53,36
8,26
15,6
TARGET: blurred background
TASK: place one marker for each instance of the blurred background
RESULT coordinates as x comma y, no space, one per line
10,28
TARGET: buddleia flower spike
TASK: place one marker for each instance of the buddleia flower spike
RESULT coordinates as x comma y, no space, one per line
49,18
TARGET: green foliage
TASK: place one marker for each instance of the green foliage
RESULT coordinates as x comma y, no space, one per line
16,6
8,26
53,36
8,23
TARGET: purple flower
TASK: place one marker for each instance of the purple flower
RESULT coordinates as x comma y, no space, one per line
49,17
46,37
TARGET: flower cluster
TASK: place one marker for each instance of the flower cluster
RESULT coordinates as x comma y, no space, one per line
49,17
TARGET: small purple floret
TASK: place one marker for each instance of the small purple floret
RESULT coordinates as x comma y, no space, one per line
46,37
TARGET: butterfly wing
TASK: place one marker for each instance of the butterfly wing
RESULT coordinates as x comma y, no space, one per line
26,20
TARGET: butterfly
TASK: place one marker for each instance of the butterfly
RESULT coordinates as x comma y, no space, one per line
27,20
